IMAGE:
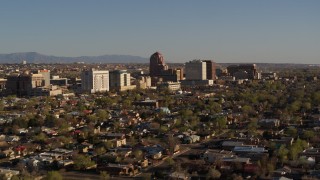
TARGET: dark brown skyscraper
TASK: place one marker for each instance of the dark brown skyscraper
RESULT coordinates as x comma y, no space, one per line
211,69
242,70
160,72
157,65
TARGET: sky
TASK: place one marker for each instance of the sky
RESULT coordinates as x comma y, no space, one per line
227,31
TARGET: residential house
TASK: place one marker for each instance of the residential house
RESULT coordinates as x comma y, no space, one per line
269,123
229,145
8,173
154,152
84,147
248,149
212,156
117,139
191,139
311,152
9,153
283,141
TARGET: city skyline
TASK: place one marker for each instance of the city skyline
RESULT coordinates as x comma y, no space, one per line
224,31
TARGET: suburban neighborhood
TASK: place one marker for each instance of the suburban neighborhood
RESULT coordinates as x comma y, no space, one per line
263,127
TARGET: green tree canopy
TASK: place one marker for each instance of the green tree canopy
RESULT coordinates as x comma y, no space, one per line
53,175
82,162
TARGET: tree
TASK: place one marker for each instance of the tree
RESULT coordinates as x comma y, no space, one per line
126,104
100,150
170,161
81,106
104,175
146,176
186,114
82,162
221,122
108,145
92,118
294,151
283,153
246,109
252,126
50,120
295,106
102,114
138,154
42,138
214,107
15,177
270,167
164,129
291,131
3,177
213,174
307,134
35,122
64,127
306,106
28,177
296,148
54,175
21,122
316,98
70,119
194,122
236,177
1,105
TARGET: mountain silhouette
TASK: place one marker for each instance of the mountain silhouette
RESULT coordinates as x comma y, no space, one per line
34,57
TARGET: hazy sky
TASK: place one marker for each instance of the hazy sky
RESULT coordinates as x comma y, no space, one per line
286,31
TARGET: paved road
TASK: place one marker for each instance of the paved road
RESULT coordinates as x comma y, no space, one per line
74,175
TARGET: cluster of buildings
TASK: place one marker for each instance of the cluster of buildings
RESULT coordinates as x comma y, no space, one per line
195,73
31,84
143,135
41,83
100,81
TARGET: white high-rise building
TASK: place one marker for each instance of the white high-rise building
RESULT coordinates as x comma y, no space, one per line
95,81
46,75
196,70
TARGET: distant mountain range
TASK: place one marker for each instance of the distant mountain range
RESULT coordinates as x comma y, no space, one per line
34,57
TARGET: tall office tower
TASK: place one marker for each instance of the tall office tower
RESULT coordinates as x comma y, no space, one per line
94,81
143,82
211,69
196,70
157,65
24,84
18,85
180,74
46,75
120,80
37,80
